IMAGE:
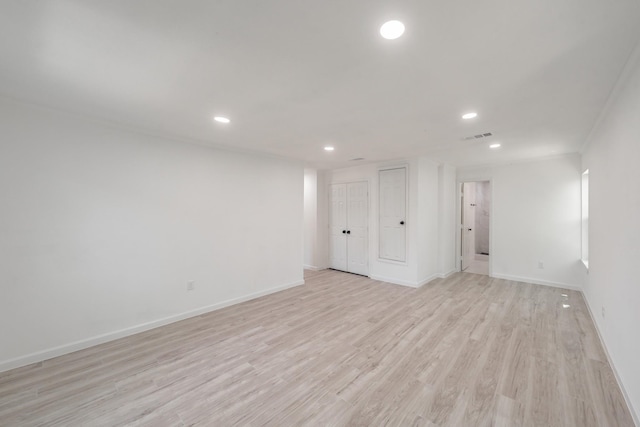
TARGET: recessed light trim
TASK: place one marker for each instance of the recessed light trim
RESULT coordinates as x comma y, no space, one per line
391,30
495,146
329,148
471,115
221,119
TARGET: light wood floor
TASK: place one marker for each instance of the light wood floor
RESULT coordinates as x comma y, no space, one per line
478,267
342,350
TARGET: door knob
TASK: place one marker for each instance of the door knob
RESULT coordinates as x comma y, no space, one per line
469,229
348,231
344,231
401,222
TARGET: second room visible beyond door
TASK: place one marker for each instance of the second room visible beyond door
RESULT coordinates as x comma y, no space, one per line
348,227
476,206
468,224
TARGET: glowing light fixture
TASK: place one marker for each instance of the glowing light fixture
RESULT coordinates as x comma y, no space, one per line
328,148
221,119
494,146
392,30
469,116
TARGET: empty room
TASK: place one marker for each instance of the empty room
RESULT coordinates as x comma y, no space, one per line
355,213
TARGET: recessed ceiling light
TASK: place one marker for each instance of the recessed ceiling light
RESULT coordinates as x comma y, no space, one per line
221,119
328,148
469,116
392,30
494,146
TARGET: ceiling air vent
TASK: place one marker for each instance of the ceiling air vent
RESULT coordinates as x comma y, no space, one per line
478,136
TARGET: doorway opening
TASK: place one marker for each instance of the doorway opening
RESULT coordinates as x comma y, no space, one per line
475,227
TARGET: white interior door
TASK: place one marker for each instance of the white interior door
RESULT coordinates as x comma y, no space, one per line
468,223
338,227
393,206
357,227
348,227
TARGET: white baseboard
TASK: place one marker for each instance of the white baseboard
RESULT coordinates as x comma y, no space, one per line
634,415
537,282
428,279
101,339
395,281
436,276
413,284
498,276
445,275
311,267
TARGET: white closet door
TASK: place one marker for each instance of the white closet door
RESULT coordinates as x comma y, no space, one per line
338,227
357,227
393,206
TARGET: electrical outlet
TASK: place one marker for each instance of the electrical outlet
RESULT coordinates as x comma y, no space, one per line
540,265
603,311
191,285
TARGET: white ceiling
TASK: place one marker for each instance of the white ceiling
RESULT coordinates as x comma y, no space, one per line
295,75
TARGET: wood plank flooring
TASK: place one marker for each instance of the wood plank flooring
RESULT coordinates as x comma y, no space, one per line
342,350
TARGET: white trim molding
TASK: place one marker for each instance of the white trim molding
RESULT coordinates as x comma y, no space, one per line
394,281
409,283
537,282
634,415
445,275
429,279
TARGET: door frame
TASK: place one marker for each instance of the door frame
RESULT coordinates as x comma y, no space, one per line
459,226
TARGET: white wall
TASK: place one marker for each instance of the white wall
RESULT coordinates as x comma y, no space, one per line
428,216
535,218
483,215
310,219
322,234
447,220
612,158
101,229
